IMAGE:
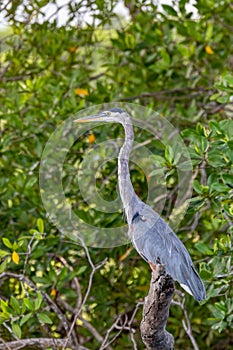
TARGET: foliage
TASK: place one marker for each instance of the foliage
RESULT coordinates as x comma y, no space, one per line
163,58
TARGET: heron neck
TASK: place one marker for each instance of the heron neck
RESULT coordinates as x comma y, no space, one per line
125,186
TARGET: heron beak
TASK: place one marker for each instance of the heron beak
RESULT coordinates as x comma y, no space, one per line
92,118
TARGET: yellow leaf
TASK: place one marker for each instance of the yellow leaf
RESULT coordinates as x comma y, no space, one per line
209,50
53,292
91,138
15,257
72,49
81,92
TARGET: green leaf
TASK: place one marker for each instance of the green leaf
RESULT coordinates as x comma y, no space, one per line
229,209
6,242
28,304
130,41
219,326
16,330
212,180
230,144
44,318
205,274
25,318
81,270
31,181
15,246
219,187
5,308
192,29
215,126
218,313
15,304
216,158
184,50
159,171
158,159
222,87
169,154
197,187
221,306
38,301
223,98
185,166
209,31
40,225
170,10
52,275
33,231
203,248
228,79
3,253
3,265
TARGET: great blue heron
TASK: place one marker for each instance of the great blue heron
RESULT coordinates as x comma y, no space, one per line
151,236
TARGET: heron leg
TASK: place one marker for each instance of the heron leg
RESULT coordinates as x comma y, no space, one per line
152,266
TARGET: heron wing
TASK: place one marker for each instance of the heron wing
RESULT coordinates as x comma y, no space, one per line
155,241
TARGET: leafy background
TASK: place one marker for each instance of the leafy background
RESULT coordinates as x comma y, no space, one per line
161,57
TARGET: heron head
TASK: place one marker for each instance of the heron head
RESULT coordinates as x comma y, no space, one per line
112,115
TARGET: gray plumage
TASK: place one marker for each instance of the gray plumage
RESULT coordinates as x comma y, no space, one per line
154,240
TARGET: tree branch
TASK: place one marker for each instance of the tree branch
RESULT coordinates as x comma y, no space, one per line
156,310
39,343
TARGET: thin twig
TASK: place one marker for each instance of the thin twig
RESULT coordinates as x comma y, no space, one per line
86,323
94,269
132,330
28,253
106,343
186,322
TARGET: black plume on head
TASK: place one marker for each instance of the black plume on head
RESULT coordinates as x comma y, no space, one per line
116,110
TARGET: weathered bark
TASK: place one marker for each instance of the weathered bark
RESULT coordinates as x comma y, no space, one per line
156,311
38,343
